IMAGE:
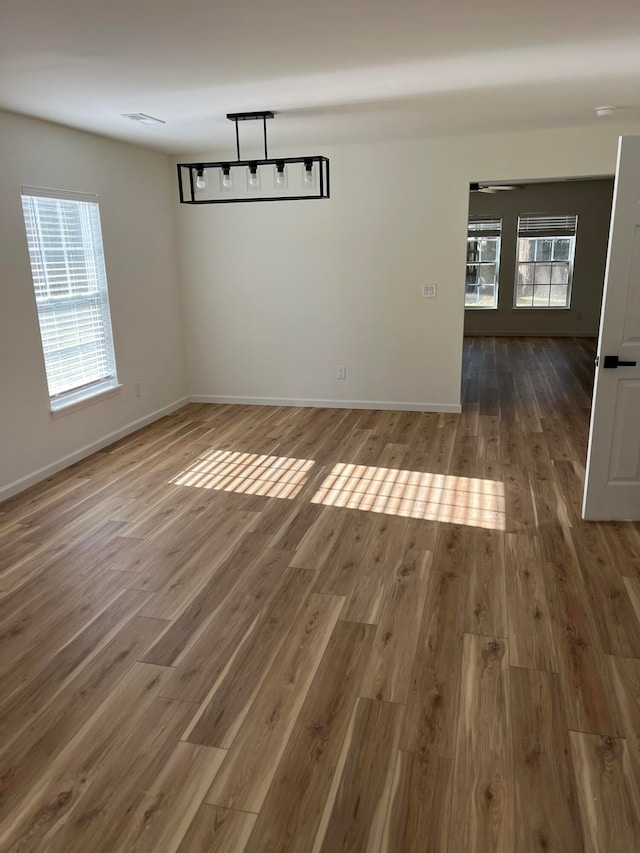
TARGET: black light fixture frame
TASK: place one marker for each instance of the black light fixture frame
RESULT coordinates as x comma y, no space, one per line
188,172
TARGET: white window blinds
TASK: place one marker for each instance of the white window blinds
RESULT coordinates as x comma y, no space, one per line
547,225
487,225
67,263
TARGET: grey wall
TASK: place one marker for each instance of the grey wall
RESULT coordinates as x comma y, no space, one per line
591,200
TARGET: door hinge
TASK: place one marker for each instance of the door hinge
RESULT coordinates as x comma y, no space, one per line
597,360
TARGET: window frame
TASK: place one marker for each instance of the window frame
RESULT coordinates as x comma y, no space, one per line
493,231
550,228
51,308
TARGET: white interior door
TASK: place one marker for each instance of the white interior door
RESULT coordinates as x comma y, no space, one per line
612,486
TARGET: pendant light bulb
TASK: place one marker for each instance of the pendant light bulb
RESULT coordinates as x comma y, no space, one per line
201,181
226,178
254,181
281,176
308,172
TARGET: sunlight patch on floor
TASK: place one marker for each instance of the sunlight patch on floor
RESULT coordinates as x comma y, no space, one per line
247,473
415,494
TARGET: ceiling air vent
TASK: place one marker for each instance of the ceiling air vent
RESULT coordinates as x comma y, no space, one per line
141,118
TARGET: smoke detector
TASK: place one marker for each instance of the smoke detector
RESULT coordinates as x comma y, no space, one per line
601,112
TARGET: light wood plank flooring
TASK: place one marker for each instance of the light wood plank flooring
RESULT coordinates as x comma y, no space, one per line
271,629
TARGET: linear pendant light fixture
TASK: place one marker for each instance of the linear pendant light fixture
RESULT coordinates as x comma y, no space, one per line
279,179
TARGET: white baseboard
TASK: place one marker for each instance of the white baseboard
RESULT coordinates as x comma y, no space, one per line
53,468
34,477
329,404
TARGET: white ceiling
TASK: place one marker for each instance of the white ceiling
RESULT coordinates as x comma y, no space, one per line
334,71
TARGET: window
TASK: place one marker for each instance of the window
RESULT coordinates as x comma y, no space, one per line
545,250
483,263
67,264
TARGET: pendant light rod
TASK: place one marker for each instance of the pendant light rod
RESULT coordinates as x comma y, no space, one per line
261,115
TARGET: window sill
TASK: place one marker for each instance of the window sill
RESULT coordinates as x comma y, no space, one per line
540,308
480,308
65,408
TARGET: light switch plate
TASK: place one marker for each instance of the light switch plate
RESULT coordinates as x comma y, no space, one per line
429,291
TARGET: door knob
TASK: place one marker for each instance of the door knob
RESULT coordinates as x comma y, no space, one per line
614,361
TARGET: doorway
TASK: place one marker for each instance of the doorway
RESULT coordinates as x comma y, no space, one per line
541,247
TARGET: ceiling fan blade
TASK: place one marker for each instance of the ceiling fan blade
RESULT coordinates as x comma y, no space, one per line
492,189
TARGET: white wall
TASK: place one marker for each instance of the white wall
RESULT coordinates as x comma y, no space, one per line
136,189
277,295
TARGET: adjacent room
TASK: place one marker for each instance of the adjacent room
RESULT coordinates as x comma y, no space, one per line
533,273
319,456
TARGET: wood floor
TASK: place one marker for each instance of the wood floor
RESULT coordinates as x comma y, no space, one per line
271,629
